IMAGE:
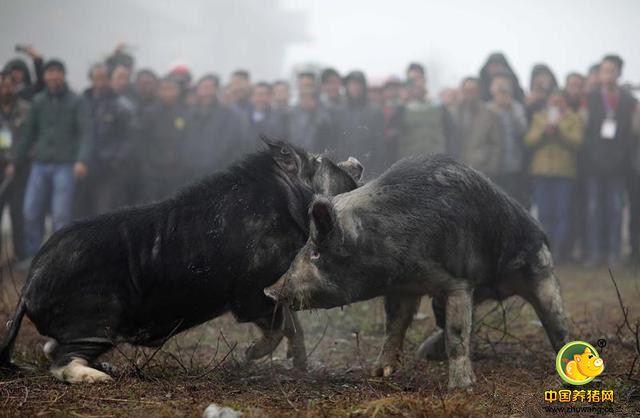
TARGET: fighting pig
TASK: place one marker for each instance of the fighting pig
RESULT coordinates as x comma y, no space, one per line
140,275
427,226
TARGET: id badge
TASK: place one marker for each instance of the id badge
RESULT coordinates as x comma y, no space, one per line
6,138
608,129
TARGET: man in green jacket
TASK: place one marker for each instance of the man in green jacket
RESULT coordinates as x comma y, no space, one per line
58,141
424,127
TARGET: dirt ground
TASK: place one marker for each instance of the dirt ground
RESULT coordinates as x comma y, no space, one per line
513,361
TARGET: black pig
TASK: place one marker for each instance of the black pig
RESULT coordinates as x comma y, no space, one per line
142,274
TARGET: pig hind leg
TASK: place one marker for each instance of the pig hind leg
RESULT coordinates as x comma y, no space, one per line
543,293
399,312
433,347
457,332
71,361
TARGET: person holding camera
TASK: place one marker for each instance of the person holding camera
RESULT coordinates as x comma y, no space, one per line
554,138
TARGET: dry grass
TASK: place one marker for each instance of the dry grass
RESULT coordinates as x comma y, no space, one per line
514,365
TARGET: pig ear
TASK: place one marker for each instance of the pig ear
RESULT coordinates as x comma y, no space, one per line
282,153
576,357
323,219
353,167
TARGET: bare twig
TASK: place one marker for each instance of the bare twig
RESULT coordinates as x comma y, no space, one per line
171,334
207,372
633,330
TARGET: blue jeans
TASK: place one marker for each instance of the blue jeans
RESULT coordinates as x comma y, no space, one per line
50,187
604,217
553,196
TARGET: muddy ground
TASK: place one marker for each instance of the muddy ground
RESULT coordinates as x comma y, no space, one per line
513,361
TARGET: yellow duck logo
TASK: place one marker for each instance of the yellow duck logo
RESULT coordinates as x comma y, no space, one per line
584,366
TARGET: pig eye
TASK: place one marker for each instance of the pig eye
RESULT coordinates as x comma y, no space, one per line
590,356
314,254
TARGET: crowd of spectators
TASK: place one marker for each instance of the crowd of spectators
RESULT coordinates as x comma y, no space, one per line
133,136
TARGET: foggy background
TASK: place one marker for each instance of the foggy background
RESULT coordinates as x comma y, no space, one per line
273,37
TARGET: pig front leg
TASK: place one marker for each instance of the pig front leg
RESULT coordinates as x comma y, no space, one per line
272,333
544,295
295,340
459,317
399,312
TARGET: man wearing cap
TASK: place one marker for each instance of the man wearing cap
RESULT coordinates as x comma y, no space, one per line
58,139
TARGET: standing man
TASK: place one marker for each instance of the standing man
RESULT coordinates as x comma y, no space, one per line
424,127
309,123
214,135
608,146
240,90
511,174
144,88
576,98
58,138
105,187
281,96
121,81
359,126
479,130
13,115
331,88
162,135
262,119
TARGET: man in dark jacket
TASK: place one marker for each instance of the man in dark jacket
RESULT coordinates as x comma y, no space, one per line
214,135
58,139
13,178
17,68
310,124
608,146
262,119
359,126
162,134
331,88
105,187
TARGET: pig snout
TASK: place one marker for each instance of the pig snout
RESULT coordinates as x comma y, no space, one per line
276,291
598,362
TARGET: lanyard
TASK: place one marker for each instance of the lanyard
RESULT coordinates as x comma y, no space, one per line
610,103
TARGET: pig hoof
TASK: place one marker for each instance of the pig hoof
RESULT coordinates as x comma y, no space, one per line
49,347
433,347
77,371
300,364
388,371
299,356
260,348
383,371
297,351
460,373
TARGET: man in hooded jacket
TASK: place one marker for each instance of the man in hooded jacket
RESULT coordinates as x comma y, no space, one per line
19,72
